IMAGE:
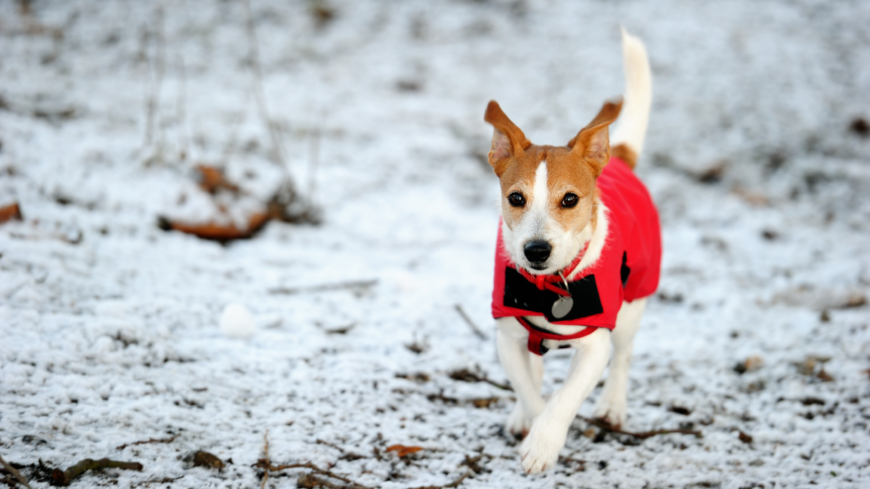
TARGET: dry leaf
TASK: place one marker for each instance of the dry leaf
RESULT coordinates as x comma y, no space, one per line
212,179
402,450
824,376
484,402
9,212
217,232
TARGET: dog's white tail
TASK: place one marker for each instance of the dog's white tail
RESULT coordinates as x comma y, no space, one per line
633,121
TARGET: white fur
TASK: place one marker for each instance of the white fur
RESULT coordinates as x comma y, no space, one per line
631,129
611,406
546,422
538,224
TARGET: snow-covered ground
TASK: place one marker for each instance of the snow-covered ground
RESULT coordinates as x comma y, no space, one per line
110,328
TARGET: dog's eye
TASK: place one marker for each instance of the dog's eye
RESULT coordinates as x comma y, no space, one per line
516,199
569,200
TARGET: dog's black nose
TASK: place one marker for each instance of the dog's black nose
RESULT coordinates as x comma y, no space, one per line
537,251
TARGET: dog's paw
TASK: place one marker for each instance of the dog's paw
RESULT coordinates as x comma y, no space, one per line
611,409
540,450
518,424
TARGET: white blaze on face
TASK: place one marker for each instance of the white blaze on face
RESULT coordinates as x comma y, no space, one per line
540,195
537,224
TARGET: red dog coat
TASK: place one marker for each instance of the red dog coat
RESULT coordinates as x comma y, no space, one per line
627,269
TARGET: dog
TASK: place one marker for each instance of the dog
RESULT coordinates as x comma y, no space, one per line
578,253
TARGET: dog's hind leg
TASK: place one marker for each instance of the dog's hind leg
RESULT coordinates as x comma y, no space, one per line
524,372
612,405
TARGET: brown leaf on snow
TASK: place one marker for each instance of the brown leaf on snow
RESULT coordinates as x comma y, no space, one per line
217,232
751,363
484,402
402,450
9,212
208,460
212,179
824,376
680,410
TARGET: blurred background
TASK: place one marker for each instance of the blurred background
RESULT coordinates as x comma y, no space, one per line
240,216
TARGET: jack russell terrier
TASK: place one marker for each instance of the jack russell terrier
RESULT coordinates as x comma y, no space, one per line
579,250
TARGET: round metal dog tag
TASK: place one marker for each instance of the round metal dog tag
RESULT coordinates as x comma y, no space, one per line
562,307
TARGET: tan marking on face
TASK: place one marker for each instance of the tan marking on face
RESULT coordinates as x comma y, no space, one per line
549,173
566,173
519,176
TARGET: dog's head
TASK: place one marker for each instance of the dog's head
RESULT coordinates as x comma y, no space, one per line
548,192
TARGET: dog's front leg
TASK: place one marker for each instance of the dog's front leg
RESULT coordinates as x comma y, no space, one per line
540,449
523,373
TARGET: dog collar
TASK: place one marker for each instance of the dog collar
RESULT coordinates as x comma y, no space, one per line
547,282
565,302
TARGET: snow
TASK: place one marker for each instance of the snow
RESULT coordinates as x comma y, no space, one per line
111,329
237,322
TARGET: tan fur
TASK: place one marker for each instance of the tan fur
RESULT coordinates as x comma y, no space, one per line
624,153
570,169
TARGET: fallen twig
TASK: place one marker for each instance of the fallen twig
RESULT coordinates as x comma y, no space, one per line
152,103
477,331
448,485
643,435
465,375
64,477
150,440
311,481
472,463
12,470
345,455
259,91
266,465
266,453
354,285
165,480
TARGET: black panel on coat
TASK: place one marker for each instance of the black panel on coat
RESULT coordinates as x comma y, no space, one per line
519,293
625,270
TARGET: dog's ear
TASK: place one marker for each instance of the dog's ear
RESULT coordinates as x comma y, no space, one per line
507,138
593,141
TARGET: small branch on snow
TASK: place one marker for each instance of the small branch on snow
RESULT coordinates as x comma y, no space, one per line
12,470
153,101
165,480
150,440
268,463
642,435
353,285
477,331
64,477
267,466
345,455
448,485
259,91
465,375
